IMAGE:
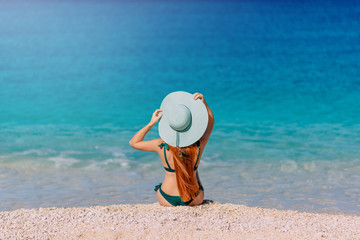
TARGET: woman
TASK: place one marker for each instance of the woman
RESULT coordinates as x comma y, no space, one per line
185,125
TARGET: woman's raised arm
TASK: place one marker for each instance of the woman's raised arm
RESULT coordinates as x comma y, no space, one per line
204,139
137,140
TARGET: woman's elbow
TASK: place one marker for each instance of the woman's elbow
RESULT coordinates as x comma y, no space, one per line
131,143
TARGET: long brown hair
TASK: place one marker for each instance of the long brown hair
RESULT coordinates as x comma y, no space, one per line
184,169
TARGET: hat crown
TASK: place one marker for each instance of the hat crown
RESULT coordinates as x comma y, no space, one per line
184,119
179,117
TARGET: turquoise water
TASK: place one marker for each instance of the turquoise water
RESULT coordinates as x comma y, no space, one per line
78,79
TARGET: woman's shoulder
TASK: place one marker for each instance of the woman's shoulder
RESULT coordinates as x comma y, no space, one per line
159,142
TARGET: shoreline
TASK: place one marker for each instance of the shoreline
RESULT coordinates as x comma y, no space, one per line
152,221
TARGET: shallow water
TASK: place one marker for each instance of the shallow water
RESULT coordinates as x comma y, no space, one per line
77,80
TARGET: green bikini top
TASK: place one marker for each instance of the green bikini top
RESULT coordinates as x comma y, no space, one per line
166,147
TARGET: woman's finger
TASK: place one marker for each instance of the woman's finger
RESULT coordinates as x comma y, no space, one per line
198,96
157,113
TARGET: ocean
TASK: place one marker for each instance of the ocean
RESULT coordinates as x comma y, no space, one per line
79,78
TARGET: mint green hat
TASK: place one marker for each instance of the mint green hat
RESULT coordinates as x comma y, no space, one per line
184,119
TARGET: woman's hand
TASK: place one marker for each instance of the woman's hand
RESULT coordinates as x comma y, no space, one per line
199,96
156,116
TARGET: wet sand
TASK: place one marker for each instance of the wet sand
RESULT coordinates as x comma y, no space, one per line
151,221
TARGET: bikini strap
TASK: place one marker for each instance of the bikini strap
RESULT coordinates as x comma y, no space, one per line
166,147
164,144
197,160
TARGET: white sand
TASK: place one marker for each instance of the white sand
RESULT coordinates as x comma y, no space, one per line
151,221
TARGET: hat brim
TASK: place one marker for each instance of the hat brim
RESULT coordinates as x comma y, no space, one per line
199,119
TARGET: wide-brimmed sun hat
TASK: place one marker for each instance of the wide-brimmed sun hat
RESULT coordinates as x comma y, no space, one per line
184,119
